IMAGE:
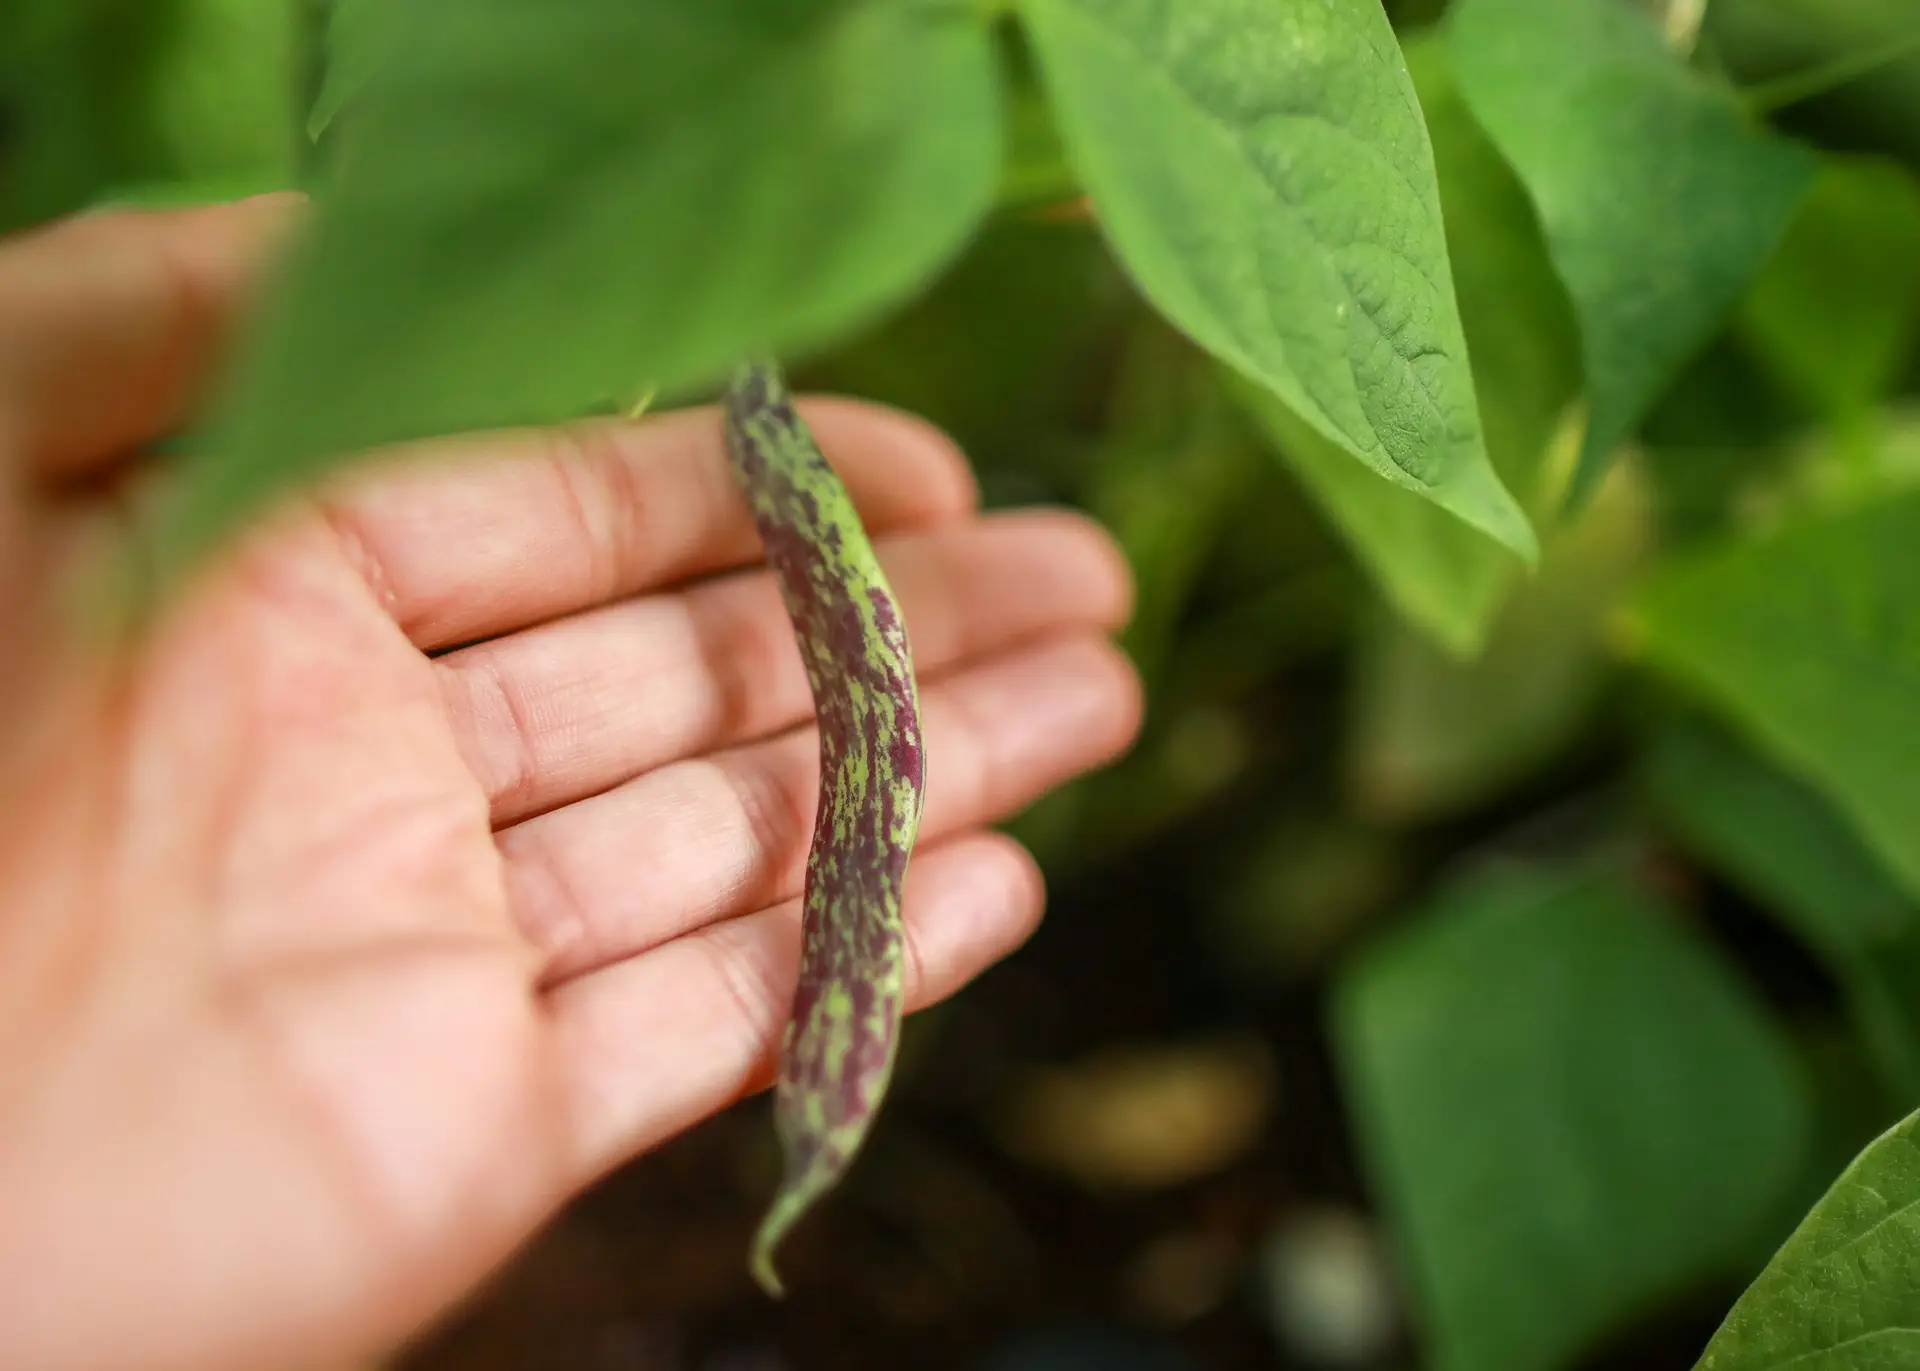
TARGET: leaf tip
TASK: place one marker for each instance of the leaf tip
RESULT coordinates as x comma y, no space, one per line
1495,512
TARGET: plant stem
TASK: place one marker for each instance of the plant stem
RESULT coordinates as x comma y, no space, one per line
1782,91
642,403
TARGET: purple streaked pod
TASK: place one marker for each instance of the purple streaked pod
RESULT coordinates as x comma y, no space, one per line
840,1038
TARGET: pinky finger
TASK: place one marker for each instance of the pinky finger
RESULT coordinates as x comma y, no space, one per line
651,1046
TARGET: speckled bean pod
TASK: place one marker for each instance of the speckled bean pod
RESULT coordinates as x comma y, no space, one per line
839,1046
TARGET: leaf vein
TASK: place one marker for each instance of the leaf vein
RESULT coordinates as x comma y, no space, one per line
1231,130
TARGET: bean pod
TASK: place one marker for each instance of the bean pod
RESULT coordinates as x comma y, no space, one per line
840,1039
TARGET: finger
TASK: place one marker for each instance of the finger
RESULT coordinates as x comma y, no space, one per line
566,710
110,324
465,543
715,837
653,1045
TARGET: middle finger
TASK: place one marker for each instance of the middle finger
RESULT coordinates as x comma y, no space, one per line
554,714
716,836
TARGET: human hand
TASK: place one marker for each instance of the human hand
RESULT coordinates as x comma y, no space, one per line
438,849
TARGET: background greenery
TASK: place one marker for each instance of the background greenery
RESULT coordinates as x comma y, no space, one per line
1480,965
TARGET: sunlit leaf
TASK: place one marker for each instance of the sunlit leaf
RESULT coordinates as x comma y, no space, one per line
1441,574
1264,175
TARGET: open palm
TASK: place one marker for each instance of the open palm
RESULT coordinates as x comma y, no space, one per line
440,849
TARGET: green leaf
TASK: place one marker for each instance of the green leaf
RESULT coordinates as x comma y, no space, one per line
362,36
1660,198
1570,1108
1784,845
1519,325
845,1026
225,93
1430,735
1843,1294
1442,575
1809,640
537,207
1262,171
1836,313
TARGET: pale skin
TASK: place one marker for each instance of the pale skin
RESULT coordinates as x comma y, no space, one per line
439,848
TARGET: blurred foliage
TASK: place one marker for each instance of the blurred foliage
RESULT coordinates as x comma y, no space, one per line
127,99
1807,639
1660,200
1836,313
1383,757
1563,1040
1432,736
1779,842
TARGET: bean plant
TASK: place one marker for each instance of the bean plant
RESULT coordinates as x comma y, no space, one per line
1469,275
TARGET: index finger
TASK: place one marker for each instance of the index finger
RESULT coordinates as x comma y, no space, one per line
111,323
467,539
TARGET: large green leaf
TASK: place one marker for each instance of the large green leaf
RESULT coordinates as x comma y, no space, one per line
1442,575
1660,200
536,208
1787,848
1809,640
1837,310
1263,172
1843,1294
1570,1109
